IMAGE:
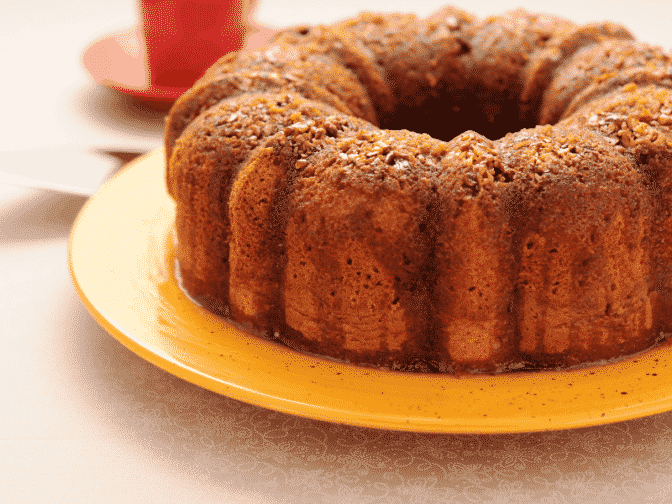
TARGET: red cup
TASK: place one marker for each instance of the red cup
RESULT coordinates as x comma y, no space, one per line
185,37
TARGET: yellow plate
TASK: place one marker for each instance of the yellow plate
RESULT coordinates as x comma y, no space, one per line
121,262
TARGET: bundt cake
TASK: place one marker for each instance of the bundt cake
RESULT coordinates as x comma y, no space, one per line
306,213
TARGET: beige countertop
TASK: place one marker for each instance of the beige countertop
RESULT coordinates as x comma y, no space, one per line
85,420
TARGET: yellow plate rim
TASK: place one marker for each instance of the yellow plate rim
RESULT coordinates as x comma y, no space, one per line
119,260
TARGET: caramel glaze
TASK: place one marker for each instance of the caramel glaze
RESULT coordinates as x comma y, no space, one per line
304,222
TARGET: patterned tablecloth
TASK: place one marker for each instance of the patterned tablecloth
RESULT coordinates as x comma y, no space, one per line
85,420
265,452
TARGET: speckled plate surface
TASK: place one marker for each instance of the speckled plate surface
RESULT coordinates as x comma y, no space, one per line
121,262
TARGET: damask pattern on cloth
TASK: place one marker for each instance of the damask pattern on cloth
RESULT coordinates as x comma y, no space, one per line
293,459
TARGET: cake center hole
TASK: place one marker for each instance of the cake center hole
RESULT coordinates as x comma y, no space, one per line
451,113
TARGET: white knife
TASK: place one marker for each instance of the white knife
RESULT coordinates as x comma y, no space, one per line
68,169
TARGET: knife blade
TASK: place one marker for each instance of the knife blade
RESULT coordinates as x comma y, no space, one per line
66,169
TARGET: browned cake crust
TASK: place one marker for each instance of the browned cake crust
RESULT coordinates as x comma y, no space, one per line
501,48
642,76
299,218
342,47
276,68
595,63
581,231
221,87
205,163
637,121
544,64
